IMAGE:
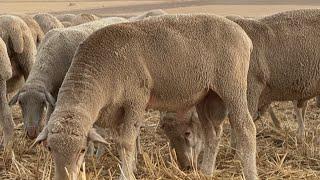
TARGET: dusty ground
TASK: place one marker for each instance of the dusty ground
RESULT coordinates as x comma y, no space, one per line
279,156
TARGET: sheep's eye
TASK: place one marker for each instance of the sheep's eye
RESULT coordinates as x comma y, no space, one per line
83,151
49,148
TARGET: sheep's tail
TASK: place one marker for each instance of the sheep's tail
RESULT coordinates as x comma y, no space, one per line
16,36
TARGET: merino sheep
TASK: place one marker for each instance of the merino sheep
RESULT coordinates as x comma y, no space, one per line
34,27
66,17
21,51
185,136
47,22
278,42
115,76
151,13
284,64
83,18
52,63
6,120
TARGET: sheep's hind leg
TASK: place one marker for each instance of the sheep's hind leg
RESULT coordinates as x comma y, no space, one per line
300,109
6,118
243,126
128,133
211,112
274,118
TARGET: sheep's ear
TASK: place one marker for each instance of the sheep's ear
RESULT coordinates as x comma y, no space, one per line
41,137
95,137
14,99
50,98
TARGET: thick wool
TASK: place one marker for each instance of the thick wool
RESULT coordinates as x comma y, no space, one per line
167,63
65,17
16,62
284,63
34,27
83,18
52,63
21,49
47,22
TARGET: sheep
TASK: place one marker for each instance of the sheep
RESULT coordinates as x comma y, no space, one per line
151,13
277,51
284,63
185,136
21,51
115,76
52,63
47,22
6,121
34,27
83,18
65,17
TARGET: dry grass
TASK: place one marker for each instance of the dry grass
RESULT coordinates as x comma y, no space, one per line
279,156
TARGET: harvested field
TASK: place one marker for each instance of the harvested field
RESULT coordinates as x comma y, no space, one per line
279,155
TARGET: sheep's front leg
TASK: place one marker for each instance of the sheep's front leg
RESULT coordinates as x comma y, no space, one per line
128,132
6,117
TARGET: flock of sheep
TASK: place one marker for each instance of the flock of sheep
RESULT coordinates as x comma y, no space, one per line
88,72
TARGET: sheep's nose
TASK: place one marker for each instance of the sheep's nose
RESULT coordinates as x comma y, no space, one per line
32,132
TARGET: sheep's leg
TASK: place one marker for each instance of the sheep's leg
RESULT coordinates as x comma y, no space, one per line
128,133
274,118
242,124
300,109
6,120
245,134
211,112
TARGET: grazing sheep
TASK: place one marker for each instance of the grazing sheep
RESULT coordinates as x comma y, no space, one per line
47,22
66,17
284,42
83,18
6,120
284,64
21,51
52,63
151,13
185,136
34,27
115,76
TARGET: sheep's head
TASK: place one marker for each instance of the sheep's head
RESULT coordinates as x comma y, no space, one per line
67,142
32,102
184,136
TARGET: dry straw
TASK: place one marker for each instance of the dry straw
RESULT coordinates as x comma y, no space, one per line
279,155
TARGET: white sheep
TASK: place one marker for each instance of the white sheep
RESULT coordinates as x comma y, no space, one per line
284,64
47,22
52,63
34,27
21,51
83,18
6,120
170,63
